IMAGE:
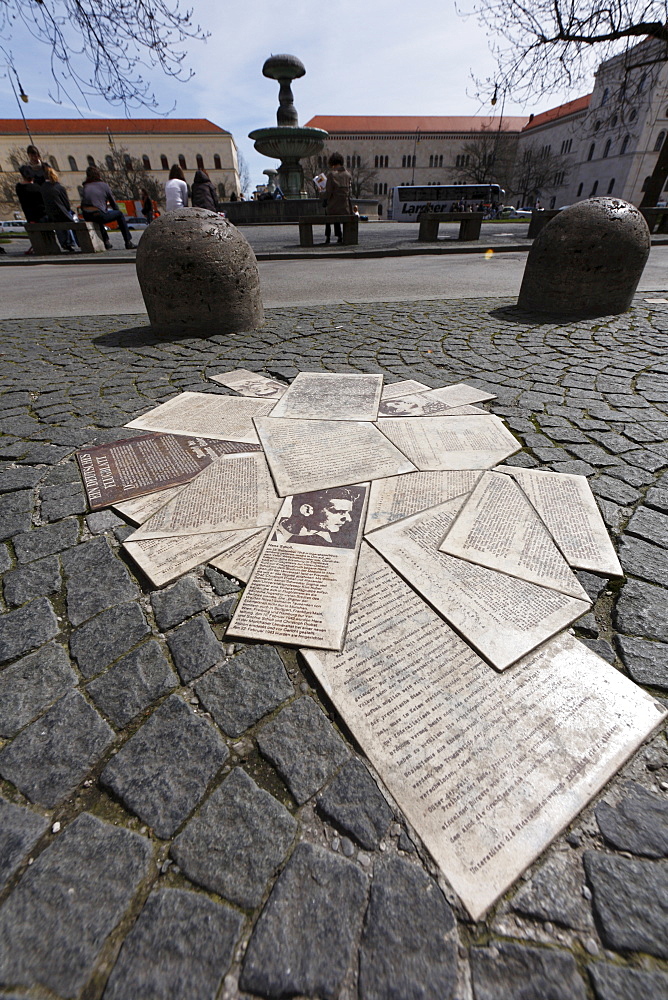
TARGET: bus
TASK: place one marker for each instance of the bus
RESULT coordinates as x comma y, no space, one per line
408,201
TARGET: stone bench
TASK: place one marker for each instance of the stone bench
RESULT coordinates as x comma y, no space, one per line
539,219
469,225
656,219
349,224
43,236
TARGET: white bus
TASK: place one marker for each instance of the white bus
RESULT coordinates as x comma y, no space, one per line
408,201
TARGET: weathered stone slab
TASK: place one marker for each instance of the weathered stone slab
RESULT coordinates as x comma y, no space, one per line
355,804
434,443
20,828
407,948
96,580
555,894
639,823
55,923
613,982
329,396
51,757
104,638
103,520
32,684
27,627
34,580
303,746
238,692
181,945
236,842
178,602
510,971
15,513
5,559
642,610
194,648
163,771
19,479
646,662
220,583
46,541
288,955
640,558
133,683
630,902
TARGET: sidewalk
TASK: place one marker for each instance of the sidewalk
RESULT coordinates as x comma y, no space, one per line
140,842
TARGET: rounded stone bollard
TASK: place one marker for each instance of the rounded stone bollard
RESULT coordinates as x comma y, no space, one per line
587,261
198,275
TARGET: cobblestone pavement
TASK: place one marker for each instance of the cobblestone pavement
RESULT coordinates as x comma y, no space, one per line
182,817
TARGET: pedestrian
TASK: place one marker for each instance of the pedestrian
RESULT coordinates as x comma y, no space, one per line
98,206
337,192
35,164
58,208
30,199
203,192
233,196
176,189
146,205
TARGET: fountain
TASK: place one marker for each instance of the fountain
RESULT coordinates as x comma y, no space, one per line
286,141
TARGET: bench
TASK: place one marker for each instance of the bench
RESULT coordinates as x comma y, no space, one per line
656,219
349,223
469,225
43,236
539,219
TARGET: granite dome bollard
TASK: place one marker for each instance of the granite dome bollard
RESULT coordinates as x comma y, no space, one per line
587,261
198,275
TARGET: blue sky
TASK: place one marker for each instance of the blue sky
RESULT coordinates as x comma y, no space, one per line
389,57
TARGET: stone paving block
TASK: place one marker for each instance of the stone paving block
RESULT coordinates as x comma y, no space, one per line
220,583
240,691
45,454
60,500
555,894
642,611
163,771
31,684
355,804
647,459
639,823
512,972
614,489
52,756
178,602
630,901
26,628
221,613
650,525
37,579
20,829
5,559
594,585
612,982
15,513
181,945
646,662
67,473
642,559
55,923
194,648
107,636
134,683
630,474
46,541
237,840
103,520
96,580
602,648
657,498
614,517
289,955
573,468
303,746
19,479
407,949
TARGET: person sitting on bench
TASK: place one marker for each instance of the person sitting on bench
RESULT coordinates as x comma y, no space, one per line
98,206
58,208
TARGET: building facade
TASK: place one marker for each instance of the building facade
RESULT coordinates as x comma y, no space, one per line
71,145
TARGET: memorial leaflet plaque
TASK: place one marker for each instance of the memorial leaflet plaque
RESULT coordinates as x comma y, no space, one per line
450,442
504,618
125,469
319,396
239,560
141,508
567,506
234,492
488,768
226,418
248,383
460,394
407,387
497,527
422,406
300,589
315,454
399,496
165,559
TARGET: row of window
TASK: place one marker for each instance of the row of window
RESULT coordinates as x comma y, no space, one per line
381,161
566,146
462,160
165,165
380,188
408,161
624,146
436,161
594,188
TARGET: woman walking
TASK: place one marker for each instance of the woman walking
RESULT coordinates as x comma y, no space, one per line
176,189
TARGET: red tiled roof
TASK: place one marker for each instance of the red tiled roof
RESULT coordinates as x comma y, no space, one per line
118,126
414,123
570,108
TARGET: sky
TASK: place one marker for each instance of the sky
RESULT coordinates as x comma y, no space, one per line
380,57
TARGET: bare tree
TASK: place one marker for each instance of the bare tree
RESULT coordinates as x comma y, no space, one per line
537,173
126,175
103,47
487,158
244,172
9,179
362,177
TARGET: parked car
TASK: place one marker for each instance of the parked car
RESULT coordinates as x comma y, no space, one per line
14,226
136,222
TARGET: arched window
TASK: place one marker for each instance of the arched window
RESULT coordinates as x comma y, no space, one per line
611,185
645,183
659,141
606,94
590,154
597,126
594,189
216,162
387,161
553,201
440,160
54,163
164,162
91,161
579,190
641,83
375,189
613,120
72,162
625,143
182,161
127,161
633,114
109,160
147,163
200,161
606,148
221,192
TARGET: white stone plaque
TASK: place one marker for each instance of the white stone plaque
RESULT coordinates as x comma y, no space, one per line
234,492
301,586
488,768
323,396
447,442
248,383
239,559
140,509
407,387
504,618
497,527
420,405
315,454
567,506
227,418
165,559
460,394
399,496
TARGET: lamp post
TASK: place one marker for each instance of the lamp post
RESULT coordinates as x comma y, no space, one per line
23,95
415,142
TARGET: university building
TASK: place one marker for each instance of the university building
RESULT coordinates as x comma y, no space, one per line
72,144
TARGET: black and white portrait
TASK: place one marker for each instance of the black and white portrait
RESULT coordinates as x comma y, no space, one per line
399,408
329,518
